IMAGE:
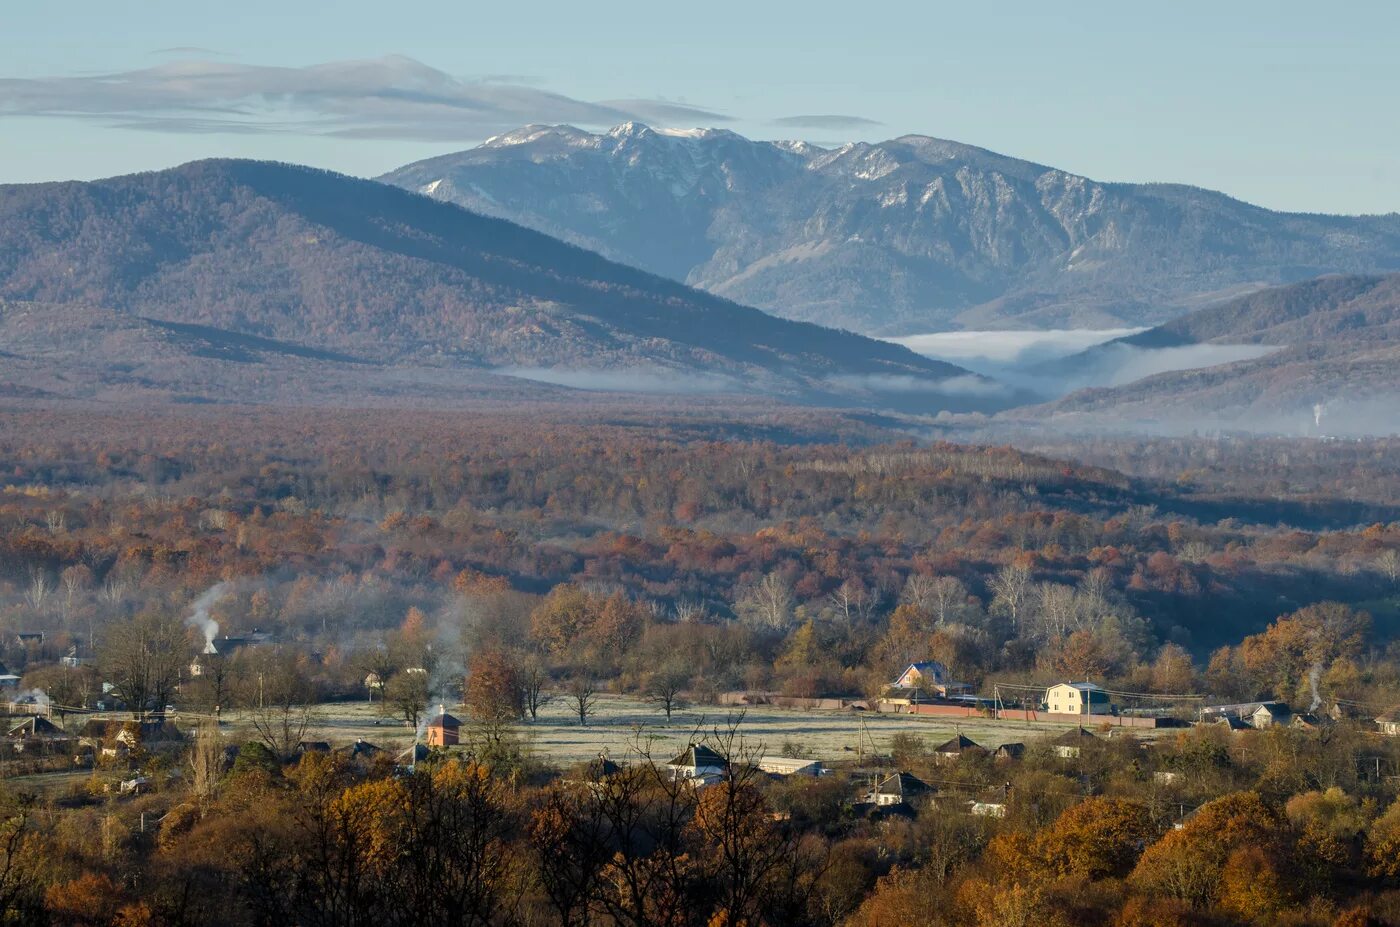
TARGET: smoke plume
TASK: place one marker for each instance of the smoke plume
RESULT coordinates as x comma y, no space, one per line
199,614
1313,676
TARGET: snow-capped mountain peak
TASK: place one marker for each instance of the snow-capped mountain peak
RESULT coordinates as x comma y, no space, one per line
911,234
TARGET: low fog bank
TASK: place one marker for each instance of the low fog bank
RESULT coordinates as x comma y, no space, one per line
1341,419
1053,363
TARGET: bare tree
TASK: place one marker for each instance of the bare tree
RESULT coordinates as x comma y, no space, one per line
918,592
37,592
767,604
583,697
142,659
534,677
280,701
665,686
947,599
75,579
1011,591
406,696
1389,564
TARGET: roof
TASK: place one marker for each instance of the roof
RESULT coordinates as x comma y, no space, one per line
1012,749
959,744
36,727
1075,736
1389,717
97,727
1233,722
926,668
599,768
359,748
1243,708
444,720
901,784
786,765
314,746
698,755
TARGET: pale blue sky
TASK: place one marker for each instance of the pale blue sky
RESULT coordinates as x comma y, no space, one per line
1287,104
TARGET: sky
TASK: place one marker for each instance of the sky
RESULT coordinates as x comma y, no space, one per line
1286,104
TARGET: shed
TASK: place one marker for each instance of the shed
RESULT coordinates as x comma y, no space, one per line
791,766
443,730
1011,751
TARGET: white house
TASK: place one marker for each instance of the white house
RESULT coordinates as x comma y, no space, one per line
698,762
897,789
1077,698
1390,722
1068,744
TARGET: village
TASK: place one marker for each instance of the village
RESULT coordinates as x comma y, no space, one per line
927,741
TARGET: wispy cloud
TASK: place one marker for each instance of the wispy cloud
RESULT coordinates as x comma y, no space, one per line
832,121
384,98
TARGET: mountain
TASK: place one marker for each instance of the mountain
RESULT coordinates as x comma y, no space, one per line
1319,357
346,270
906,236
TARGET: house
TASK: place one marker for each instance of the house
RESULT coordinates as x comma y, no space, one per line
36,728
36,734
897,789
1307,721
359,750
1012,751
1255,714
444,730
313,746
149,734
135,786
595,770
1232,724
414,755
1068,745
698,762
986,809
1389,722
1077,698
925,678
1268,714
95,731
791,766
29,639
960,746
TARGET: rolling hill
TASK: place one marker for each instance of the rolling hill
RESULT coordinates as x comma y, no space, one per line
906,236
353,271
1318,357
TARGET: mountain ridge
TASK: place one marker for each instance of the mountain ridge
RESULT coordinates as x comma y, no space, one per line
905,236
340,264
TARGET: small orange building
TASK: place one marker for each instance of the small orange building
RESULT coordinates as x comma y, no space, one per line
444,730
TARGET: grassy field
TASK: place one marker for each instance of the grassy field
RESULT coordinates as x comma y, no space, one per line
620,723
